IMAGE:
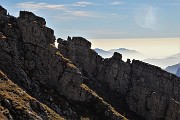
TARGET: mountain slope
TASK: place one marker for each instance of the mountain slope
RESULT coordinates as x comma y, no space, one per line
15,103
131,54
178,72
163,63
175,55
127,54
103,53
173,69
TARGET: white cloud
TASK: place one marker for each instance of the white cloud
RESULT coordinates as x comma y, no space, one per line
59,7
82,4
81,13
37,6
146,17
114,14
119,16
117,3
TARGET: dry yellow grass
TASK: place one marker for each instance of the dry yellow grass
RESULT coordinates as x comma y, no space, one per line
20,99
61,56
105,104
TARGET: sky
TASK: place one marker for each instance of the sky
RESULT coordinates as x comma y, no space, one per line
149,26
105,19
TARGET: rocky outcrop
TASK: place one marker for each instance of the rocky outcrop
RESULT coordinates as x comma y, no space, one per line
3,11
30,59
78,50
144,89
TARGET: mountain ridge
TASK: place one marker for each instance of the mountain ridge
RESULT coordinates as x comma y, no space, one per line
173,69
127,53
30,59
77,83
136,84
163,63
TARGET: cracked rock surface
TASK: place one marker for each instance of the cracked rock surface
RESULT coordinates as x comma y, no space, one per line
138,90
29,58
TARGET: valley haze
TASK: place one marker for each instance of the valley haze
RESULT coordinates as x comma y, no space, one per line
151,47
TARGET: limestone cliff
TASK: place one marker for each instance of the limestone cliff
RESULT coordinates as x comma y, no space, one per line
137,89
29,58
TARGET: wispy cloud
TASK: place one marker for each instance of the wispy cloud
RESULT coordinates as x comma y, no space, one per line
36,6
146,17
82,4
117,3
66,9
114,14
79,13
82,13
119,16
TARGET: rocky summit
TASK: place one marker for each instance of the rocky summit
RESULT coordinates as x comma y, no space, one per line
41,82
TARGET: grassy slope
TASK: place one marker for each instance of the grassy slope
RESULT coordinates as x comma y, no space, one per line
20,101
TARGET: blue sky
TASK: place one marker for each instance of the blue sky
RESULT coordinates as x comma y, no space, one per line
105,19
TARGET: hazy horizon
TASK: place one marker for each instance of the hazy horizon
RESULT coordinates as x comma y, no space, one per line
151,47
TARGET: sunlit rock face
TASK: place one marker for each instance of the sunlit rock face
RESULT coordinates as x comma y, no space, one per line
146,89
30,59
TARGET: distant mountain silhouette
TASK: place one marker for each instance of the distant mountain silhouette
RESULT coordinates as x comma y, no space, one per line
165,62
123,50
175,55
133,54
126,53
173,69
178,72
103,53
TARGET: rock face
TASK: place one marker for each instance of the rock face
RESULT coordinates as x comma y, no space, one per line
77,49
151,90
146,89
3,11
30,59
